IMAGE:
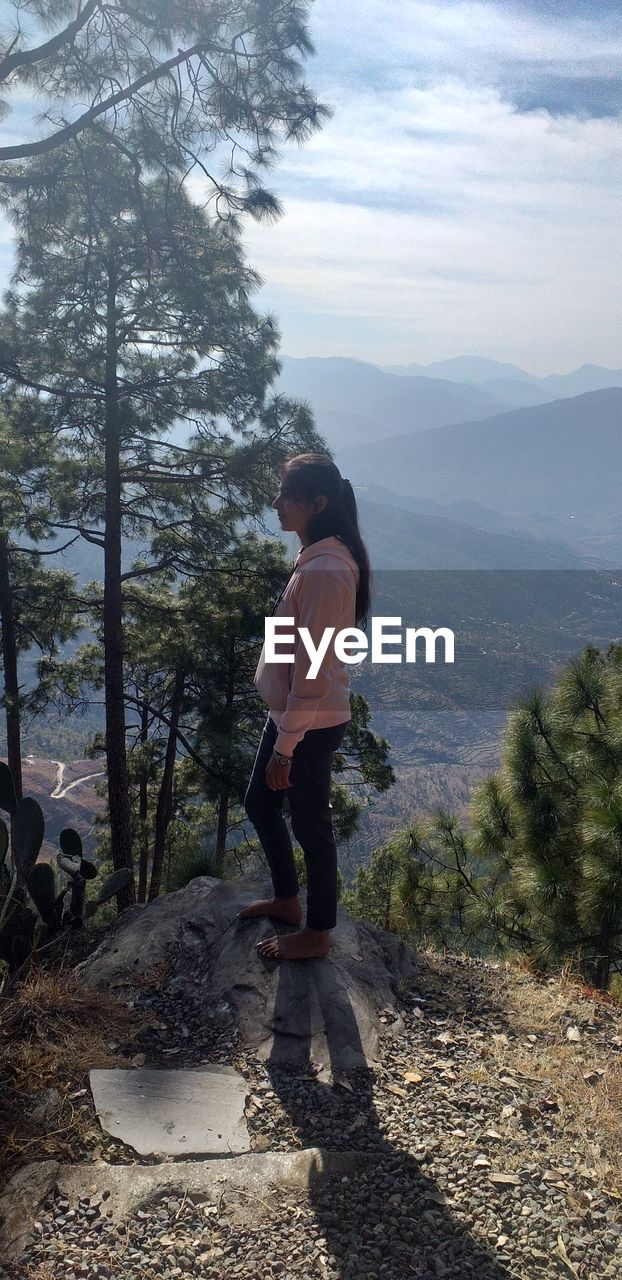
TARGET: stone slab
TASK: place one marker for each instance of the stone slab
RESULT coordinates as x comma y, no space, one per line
174,1112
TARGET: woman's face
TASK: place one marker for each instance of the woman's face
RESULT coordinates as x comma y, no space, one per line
295,514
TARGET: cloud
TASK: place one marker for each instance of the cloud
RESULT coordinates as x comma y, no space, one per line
590,10
567,93
423,222
464,195
565,57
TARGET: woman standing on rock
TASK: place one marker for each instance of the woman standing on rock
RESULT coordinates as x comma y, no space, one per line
307,718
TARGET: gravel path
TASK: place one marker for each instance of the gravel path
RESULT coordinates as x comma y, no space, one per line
478,1105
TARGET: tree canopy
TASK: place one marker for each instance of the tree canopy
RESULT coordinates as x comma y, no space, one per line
538,869
179,83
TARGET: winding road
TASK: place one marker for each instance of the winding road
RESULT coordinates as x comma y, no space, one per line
59,790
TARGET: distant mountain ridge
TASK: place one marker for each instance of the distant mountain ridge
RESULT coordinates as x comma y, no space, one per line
353,400
398,538
475,369
337,386
562,459
509,382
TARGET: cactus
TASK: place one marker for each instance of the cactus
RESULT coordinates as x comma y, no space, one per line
4,843
36,880
8,799
42,889
71,861
74,917
112,885
71,844
28,828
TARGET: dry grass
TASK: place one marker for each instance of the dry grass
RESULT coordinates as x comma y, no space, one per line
582,1078
579,1082
53,1031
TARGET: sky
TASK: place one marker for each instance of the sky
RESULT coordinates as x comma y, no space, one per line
465,196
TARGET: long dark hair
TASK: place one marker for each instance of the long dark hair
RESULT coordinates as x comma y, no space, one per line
308,475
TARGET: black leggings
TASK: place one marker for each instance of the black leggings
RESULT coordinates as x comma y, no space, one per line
309,805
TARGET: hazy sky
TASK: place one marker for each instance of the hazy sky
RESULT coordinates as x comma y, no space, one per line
465,196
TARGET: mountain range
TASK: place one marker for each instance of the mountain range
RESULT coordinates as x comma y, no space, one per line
562,458
512,384
546,471
351,397
362,401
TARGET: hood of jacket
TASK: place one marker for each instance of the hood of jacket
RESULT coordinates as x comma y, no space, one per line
331,546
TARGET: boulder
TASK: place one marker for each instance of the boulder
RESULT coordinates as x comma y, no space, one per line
291,1013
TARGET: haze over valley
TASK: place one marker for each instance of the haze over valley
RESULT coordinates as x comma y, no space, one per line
501,522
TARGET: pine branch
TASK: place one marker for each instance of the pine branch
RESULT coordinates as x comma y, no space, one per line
194,755
28,57
27,150
55,551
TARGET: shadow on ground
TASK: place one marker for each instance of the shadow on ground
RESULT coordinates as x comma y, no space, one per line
389,1220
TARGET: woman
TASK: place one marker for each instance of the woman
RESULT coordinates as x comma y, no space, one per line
329,587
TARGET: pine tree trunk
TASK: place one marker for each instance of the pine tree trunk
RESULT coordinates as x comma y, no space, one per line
164,807
143,806
11,678
223,802
221,829
116,754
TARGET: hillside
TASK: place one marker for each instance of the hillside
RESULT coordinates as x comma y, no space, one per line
67,795
351,387
398,538
561,459
420,790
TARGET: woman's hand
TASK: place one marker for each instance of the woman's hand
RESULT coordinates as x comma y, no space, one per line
277,775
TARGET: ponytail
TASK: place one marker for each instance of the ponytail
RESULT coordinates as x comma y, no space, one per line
307,476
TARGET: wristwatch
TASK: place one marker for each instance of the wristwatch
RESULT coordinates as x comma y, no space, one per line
282,759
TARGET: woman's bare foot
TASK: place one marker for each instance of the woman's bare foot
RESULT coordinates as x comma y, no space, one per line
287,909
306,944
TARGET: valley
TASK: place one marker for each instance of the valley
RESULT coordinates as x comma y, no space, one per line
498,521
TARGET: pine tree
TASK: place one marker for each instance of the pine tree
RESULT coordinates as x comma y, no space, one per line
538,870
38,606
130,312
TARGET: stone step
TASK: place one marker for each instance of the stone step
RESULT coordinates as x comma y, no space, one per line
120,1190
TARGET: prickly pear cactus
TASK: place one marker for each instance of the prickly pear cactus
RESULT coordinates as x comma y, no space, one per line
28,828
112,885
8,799
4,842
35,882
42,889
71,844
79,870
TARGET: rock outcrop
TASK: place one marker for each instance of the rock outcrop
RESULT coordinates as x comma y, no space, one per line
291,1012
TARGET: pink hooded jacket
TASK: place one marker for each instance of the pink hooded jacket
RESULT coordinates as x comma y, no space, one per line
320,593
